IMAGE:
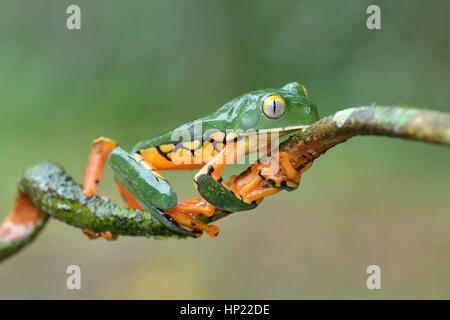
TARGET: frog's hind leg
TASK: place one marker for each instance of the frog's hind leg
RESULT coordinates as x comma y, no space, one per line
130,201
143,185
101,149
186,213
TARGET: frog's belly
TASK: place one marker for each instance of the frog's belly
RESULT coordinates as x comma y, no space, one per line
185,156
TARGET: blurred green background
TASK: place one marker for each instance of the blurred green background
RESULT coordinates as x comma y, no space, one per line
139,68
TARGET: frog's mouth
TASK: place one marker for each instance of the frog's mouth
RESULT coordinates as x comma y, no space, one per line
282,131
272,137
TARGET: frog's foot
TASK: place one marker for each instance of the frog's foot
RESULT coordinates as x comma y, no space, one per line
94,235
288,180
254,189
143,187
186,214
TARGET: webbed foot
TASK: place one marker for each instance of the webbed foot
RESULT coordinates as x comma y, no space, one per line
186,214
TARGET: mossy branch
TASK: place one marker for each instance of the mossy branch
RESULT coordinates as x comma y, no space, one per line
55,194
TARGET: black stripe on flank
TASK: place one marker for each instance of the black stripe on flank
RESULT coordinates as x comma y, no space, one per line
236,139
214,144
163,154
259,174
208,137
177,146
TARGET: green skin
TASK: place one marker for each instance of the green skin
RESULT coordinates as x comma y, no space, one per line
239,115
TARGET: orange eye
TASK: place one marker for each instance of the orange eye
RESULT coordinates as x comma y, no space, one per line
274,107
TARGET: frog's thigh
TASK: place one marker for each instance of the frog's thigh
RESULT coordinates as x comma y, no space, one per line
129,199
147,186
211,185
140,179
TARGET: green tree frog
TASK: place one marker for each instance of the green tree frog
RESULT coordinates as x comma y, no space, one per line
211,143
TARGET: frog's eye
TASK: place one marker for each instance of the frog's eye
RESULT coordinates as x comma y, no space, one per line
274,107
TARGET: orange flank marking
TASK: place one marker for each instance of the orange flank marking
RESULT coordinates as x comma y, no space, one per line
218,136
208,151
102,147
149,165
220,146
232,136
192,145
198,156
180,160
166,147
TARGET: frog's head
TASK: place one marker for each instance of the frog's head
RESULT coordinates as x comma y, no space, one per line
284,110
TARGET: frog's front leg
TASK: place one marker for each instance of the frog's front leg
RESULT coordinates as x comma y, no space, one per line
268,178
101,149
213,188
250,192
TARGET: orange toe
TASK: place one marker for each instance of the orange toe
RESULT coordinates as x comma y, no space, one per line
186,215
